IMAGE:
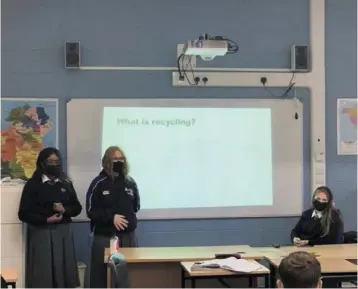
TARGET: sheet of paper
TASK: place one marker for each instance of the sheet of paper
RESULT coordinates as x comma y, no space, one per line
231,264
239,265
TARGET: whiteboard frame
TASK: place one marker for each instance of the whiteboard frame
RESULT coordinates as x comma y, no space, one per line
227,212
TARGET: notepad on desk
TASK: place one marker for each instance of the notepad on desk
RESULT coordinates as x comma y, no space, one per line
231,264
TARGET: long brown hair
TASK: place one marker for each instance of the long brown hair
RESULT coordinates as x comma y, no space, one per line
107,163
330,214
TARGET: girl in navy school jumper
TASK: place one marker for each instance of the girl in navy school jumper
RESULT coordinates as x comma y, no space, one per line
112,202
320,225
48,203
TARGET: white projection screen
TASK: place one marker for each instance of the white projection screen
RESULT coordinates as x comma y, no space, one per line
194,158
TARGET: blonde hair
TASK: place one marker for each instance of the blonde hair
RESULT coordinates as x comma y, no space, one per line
327,214
107,163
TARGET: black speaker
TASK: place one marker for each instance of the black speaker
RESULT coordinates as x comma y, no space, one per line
72,55
299,58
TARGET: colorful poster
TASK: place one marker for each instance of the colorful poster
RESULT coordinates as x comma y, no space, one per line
347,126
27,126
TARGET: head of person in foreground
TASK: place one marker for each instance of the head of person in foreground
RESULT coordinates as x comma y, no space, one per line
299,270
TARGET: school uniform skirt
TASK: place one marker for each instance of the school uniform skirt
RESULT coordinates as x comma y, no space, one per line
97,278
51,260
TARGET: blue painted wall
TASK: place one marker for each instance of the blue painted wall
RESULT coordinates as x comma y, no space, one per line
341,82
145,33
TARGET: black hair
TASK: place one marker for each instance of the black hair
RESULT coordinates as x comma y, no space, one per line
41,162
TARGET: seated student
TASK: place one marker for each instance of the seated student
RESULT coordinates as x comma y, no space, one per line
320,225
299,270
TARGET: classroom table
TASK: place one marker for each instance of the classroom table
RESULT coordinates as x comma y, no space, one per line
160,267
188,274
327,251
341,250
10,275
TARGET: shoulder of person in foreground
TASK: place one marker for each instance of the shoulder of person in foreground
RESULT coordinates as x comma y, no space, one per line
306,214
97,181
94,185
30,186
337,216
131,182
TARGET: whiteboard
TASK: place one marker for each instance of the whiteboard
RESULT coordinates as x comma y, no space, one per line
84,132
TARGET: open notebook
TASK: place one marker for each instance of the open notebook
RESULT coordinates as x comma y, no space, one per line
231,264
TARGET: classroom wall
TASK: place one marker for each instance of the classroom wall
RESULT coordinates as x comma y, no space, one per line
145,33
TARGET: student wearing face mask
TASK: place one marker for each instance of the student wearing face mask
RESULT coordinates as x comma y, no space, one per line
112,202
47,204
320,225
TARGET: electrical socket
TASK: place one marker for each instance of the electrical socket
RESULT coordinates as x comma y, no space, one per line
184,62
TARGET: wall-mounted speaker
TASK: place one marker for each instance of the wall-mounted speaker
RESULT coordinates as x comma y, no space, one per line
299,58
72,55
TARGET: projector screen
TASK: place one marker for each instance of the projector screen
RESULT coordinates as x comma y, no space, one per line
195,158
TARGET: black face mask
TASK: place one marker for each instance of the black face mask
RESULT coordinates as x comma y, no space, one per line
117,167
319,206
53,170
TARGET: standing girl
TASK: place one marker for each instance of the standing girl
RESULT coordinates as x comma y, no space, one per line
112,204
48,203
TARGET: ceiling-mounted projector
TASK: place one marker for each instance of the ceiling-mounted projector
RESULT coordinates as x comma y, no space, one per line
206,49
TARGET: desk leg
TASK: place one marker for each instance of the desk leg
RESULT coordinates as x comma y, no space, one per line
273,275
224,283
182,279
12,284
193,282
267,281
108,276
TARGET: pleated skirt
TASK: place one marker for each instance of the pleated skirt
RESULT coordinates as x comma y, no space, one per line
50,257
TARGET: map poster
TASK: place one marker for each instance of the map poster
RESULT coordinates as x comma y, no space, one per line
27,126
347,126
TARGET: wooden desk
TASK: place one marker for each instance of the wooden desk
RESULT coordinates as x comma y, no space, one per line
327,251
160,267
187,274
178,254
10,275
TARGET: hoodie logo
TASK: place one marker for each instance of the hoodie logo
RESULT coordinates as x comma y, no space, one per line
129,191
